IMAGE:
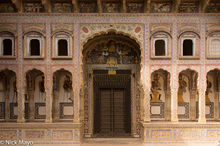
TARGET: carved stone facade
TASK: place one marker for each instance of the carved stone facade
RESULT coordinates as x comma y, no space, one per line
57,91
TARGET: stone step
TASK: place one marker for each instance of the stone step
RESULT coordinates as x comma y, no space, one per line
112,140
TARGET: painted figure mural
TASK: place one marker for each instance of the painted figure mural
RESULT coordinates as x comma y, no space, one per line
106,52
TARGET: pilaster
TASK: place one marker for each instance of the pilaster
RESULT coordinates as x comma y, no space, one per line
31,105
192,105
48,82
216,105
168,105
56,105
7,106
21,80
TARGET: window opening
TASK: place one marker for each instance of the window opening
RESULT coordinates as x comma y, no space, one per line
7,47
62,47
159,48
35,47
187,47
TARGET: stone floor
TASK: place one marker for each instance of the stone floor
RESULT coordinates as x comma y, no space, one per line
130,142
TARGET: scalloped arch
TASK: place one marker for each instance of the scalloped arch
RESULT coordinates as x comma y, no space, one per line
62,68
188,31
188,68
109,31
56,32
8,31
32,69
212,69
160,31
34,30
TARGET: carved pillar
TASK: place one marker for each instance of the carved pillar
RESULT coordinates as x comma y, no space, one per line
145,94
168,105
124,6
7,106
216,104
174,104
21,106
99,4
31,105
174,96
56,106
49,99
192,105
202,89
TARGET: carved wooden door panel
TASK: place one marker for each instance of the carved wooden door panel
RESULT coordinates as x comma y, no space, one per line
112,115
112,112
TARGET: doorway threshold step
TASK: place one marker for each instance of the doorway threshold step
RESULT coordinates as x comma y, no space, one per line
112,140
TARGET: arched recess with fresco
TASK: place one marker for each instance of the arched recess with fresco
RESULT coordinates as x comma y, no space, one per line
111,67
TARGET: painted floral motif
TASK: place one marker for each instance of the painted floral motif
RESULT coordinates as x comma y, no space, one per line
135,7
111,7
111,52
62,7
188,8
160,7
87,7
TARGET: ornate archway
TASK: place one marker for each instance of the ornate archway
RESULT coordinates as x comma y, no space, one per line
111,72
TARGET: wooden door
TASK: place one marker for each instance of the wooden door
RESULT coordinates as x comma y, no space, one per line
112,113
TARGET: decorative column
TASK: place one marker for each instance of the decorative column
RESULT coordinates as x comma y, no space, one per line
192,105
21,80
7,106
202,76
49,99
167,105
145,94
216,104
202,89
56,107
31,105
174,97
216,98
48,82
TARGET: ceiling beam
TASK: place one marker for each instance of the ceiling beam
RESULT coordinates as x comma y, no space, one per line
17,3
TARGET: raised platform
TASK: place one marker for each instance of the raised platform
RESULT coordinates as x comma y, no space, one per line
187,132
154,133
41,133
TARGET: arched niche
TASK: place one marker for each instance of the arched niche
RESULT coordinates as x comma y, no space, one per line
62,96
8,95
212,95
188,95
106,57
160,95
35,102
